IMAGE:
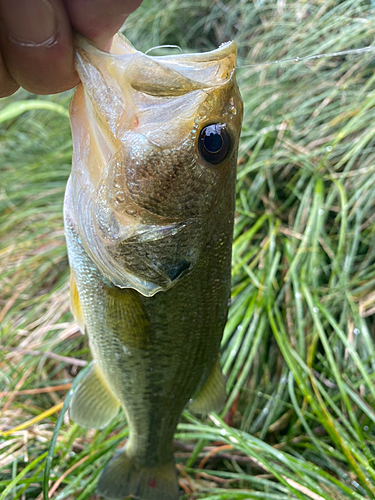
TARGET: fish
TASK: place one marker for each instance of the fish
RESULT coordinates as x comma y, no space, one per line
148,214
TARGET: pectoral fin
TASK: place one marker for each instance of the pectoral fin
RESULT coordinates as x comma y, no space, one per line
75,303
93,405
212,395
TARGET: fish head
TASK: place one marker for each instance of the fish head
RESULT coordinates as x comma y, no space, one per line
155,150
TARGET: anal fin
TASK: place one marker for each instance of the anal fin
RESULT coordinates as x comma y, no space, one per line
93,405
212,395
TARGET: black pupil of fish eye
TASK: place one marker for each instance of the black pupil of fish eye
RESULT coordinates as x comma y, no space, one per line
213,140
214,143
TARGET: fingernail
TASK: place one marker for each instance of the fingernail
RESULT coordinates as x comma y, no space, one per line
30,22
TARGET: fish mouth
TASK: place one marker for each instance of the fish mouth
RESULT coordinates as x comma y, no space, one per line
131,91
170,75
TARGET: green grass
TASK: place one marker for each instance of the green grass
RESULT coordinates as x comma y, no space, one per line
298,349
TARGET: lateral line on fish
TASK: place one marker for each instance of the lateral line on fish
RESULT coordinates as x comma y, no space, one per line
362,50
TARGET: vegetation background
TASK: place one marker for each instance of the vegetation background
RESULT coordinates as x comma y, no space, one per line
298,350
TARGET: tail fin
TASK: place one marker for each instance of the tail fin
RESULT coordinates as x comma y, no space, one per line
124,477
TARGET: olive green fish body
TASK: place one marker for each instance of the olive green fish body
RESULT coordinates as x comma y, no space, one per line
149,213
155,353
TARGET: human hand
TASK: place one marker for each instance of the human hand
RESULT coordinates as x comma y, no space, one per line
36,39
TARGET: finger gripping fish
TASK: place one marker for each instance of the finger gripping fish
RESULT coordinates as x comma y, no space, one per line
149,212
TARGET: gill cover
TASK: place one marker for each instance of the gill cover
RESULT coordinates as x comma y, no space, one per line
142,194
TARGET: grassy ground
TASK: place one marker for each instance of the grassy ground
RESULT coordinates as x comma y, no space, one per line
298,350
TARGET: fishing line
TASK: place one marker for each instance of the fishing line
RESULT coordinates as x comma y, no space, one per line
362,50
164,47
370,48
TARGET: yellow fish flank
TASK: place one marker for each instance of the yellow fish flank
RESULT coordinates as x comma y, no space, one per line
149,213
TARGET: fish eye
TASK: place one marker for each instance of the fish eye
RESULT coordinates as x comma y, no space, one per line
214,143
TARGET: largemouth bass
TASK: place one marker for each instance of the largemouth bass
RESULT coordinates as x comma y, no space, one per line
149,213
